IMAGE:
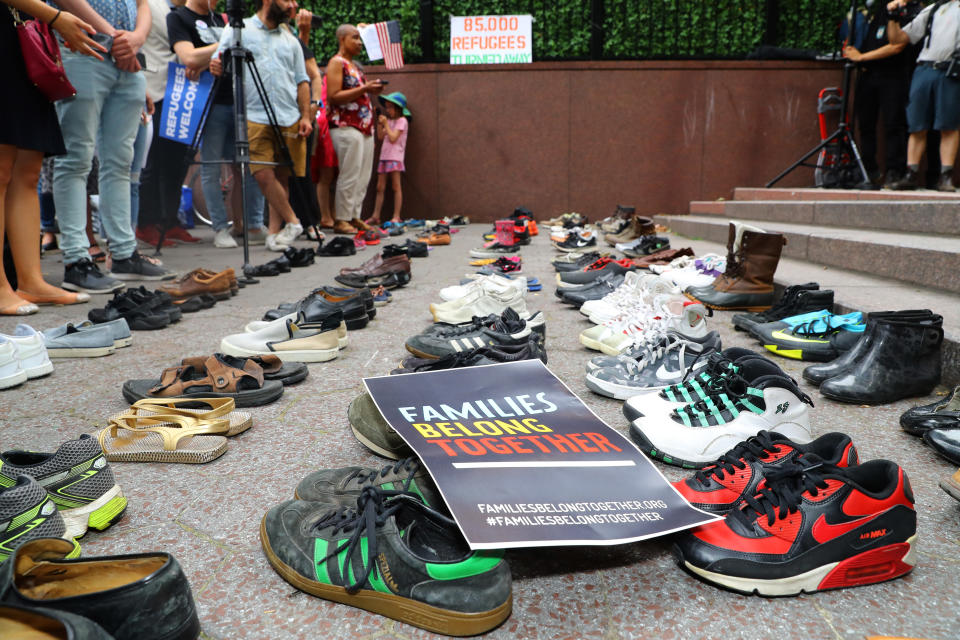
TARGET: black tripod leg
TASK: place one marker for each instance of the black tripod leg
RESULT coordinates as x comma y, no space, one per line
812,152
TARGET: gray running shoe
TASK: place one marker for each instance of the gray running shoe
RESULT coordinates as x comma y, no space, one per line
78,479
343,486
26,513
664,365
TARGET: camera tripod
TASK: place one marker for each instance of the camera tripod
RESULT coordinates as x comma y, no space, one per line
238,57
842,137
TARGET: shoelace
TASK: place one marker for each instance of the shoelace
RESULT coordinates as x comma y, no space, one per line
749,450
476,323
733,387
597,264
782,492
813,328
411,465
374,507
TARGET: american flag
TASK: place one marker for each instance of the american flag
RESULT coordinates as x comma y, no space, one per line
389,35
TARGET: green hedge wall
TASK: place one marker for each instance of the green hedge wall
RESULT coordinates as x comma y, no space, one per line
633,29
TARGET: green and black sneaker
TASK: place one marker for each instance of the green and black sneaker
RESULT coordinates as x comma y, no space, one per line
78,478
392,555
343,486
26,513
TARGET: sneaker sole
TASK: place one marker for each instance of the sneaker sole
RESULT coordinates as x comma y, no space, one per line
754,308
138,276
373,447
69,286
122,342
648,448
418,614
617,391
952,489
99,514
317,355
81,352
870,567
13,380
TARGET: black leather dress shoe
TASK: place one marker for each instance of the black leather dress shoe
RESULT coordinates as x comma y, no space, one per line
142,596
37,622
946,442
943,413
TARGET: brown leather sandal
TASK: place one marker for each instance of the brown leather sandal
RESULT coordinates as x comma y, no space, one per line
217,376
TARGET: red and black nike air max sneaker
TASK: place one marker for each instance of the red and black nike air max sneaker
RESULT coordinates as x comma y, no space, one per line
722,485
811,527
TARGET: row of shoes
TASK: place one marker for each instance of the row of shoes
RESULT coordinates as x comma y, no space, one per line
191,430
292,258
390,268
508,235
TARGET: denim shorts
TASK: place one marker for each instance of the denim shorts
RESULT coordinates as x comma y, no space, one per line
934,101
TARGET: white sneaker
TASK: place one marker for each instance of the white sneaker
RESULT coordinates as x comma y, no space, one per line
273,243
307,343
702,432
257,236
480,301
224,240
31,351
494,282
11,374
289,233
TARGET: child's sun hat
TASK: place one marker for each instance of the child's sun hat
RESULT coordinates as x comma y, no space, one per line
398,99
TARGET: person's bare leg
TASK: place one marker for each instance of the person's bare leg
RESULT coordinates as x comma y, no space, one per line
276,194
325,197
916,146
23,210
378,202
949,141
396,177
9,301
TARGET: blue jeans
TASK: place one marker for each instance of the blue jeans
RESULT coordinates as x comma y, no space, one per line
219,144
106,109
139,153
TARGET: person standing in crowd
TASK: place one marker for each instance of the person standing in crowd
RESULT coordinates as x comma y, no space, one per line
195,30
883,87
279,60
351,128
934,98
103,115
28,131
392,129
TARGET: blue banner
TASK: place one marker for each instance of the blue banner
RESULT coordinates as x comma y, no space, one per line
183,104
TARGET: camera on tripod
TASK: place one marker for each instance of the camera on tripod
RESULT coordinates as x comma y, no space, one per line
905,14
236,12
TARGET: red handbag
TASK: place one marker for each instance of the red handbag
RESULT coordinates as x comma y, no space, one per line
41,56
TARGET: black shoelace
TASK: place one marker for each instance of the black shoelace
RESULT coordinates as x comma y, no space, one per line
782,492
410,465
749,450
374,507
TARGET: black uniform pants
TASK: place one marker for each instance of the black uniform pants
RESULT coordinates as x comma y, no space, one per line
883,93
162,179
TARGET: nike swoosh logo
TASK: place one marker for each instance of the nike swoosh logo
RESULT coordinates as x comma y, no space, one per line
792,338
823,531
664,374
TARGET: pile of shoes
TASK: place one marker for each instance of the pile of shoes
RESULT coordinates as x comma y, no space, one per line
86,339
437,235
249,381
390,269
369,237
60,494
190,430
686,270
23,355
508,236
201,289
797,496
483,296
143,310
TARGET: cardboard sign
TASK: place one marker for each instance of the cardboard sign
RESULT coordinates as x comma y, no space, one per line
183,104
522,462
491,39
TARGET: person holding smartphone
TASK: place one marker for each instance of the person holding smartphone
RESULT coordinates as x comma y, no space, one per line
351,120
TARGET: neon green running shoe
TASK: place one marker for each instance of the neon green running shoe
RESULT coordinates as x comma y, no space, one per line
27,513
77,477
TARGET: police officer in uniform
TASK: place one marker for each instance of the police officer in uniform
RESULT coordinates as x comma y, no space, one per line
934,96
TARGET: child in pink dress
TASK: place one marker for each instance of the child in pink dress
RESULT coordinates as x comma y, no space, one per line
392,129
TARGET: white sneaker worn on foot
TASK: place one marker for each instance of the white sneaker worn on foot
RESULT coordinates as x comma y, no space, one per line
273,243
223,239
289,233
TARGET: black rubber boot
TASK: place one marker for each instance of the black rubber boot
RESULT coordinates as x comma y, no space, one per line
901,361
796,300
818,373
943,413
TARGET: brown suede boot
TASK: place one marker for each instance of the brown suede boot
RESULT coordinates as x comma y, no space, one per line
752,258
639,226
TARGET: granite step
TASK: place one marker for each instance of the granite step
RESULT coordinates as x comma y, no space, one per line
925,259
940,217
855,291
757,193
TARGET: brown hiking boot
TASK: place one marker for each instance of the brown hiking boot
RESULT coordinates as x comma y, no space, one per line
752,258
639,226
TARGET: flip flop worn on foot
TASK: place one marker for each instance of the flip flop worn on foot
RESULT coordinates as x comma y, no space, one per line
217,376
200,409
122,442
